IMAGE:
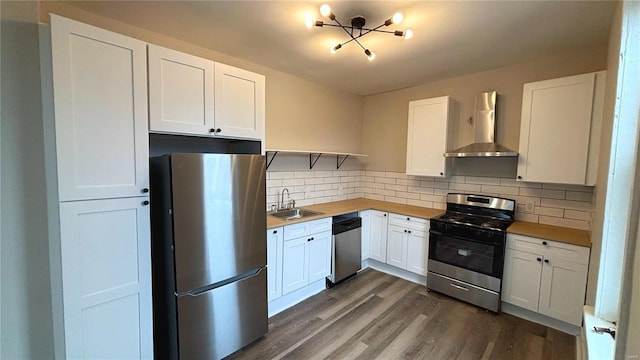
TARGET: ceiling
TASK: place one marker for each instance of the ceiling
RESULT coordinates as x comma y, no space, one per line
451,38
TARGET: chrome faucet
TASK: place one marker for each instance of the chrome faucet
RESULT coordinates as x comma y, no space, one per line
282,197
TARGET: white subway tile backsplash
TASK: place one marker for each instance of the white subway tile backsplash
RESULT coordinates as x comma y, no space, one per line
482,180
578,196
563,205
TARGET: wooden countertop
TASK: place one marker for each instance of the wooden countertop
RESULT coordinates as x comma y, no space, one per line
347,206
549,232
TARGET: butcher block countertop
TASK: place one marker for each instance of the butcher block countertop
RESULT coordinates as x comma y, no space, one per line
548,232
347,206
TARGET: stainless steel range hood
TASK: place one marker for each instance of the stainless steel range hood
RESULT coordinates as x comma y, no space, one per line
485,129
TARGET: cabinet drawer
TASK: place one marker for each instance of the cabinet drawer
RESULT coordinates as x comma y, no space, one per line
408,221
548,248
306,228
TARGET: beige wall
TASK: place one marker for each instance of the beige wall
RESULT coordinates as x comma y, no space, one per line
600,190
26,292
299,114
385,115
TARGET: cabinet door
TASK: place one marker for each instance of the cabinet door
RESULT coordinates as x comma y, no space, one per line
106,278
365,234
240,102
294,265
396,246
274,263
417,247
378,236
180,92
100,97
562,290
427,137
521,280
319,256
555,130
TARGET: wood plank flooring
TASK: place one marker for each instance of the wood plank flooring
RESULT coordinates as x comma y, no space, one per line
378,316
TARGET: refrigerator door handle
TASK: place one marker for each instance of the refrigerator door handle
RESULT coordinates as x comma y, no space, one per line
204,289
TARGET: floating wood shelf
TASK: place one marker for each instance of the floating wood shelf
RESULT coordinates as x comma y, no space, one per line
314,156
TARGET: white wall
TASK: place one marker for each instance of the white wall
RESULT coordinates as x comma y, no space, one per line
26,300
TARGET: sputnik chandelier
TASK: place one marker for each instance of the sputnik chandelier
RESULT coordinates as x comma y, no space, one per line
357,30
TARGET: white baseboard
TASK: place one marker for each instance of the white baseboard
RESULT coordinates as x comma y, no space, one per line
397,272
288,300
540,319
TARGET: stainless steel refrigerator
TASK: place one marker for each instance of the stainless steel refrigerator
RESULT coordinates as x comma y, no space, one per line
209,253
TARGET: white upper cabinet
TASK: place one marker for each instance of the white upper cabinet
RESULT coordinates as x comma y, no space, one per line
180,92
100,94
239,102
560,129
427,136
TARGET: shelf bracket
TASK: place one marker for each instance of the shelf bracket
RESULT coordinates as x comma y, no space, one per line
312,161
269,161
340,162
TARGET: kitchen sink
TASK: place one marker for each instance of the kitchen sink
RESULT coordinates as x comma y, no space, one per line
295,213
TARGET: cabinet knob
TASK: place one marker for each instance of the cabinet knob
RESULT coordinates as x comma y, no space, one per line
275,231
146,202
218,130
408,219
544,243
441,174
385,215
539,259
405,230
519,177
546,261
409,231
145,190
212,130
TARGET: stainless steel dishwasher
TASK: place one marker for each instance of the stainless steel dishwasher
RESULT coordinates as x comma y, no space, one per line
346,248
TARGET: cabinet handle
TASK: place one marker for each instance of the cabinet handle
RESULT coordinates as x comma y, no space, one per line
146,202
544,243
546,261
539,259
145,190
519,177
309,239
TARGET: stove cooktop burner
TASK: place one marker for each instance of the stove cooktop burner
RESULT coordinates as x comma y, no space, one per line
475,220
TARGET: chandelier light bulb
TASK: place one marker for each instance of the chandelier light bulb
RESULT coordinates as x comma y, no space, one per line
335,48
397,18
370,55
309,21
408,34
325,10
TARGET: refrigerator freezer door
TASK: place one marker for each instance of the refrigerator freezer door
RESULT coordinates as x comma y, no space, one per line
219,217
218,322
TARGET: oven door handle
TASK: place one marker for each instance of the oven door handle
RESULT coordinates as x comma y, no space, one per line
438,233
459,287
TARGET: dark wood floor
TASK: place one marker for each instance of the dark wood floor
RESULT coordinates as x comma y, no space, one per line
376,315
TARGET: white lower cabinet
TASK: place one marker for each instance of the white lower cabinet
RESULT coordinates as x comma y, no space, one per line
407,243
365,234
307,257
106,267
274,263
545,276
378,235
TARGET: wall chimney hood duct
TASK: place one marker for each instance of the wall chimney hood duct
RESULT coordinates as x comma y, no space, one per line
485,128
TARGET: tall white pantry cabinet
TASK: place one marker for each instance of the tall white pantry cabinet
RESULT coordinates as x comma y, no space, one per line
101,145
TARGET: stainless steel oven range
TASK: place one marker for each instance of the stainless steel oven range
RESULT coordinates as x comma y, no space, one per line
466,248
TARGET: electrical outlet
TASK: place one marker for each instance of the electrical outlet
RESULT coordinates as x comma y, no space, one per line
528,206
